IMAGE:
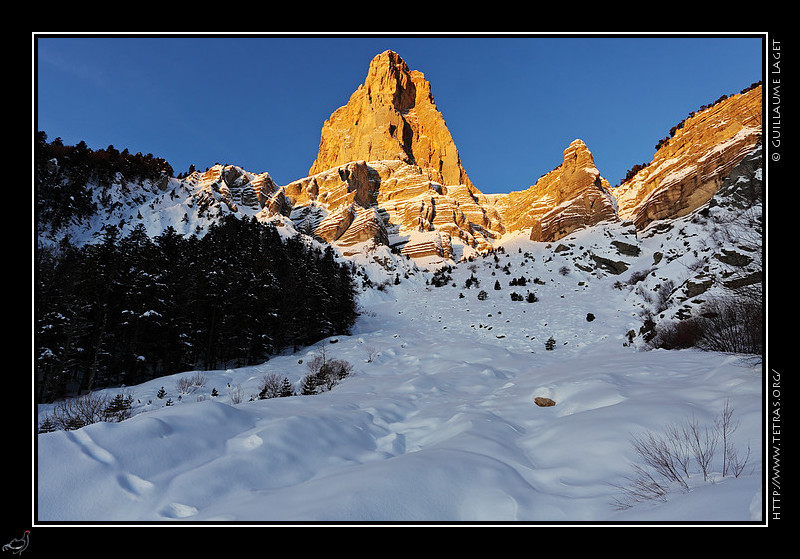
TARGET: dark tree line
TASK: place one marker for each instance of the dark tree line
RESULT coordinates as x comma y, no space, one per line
64,174
131,308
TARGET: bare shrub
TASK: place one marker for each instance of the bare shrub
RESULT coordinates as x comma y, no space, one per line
645,293
662,294
324,373
733,325
74,413
678,335
372,353
237,394
190,384
638,276
725,324
665,454
270,386
733,464
668,459
702,441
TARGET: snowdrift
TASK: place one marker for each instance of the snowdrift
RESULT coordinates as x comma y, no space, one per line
437,422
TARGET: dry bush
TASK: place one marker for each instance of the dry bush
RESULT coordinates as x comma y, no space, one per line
190,384
237,394
74,413
733,325
678,335
668,459
270,386
324,373
725,324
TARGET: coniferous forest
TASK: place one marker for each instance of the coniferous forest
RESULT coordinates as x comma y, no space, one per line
131,308
64,175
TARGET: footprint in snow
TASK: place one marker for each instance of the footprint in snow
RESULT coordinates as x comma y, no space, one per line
133,484
245,443
178,510
88,446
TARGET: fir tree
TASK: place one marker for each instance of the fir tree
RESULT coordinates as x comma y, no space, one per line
286,388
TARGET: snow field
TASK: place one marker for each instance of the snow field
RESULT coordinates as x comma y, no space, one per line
436,423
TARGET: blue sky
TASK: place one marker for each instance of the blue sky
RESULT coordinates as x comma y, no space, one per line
512,104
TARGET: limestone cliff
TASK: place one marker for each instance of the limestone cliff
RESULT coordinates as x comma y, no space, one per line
570,197
389,148
391,116
387,170
688,169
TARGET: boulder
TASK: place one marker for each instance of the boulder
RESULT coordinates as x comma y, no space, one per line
543,402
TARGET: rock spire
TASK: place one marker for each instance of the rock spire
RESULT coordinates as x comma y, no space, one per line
388,171
571,196
391,116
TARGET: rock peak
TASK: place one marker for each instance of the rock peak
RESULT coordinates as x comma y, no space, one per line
388,170
391,116
570,197
389,81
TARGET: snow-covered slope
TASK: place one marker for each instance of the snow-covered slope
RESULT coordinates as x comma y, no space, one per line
437,422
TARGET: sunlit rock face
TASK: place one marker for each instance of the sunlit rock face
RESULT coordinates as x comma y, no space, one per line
389,150
570,197
388,171
391,116
688,169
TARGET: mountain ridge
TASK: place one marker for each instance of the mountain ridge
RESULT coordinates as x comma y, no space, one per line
387,156
388,172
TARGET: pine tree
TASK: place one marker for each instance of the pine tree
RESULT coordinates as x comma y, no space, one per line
286,388
119,409
310,385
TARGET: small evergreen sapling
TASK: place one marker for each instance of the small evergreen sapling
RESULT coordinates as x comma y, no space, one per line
119,409
286,388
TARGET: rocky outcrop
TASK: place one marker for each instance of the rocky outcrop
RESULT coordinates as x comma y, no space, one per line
570,197
236,187
367,225
389,151
391,116
401,201
689,168
388,171
430,244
